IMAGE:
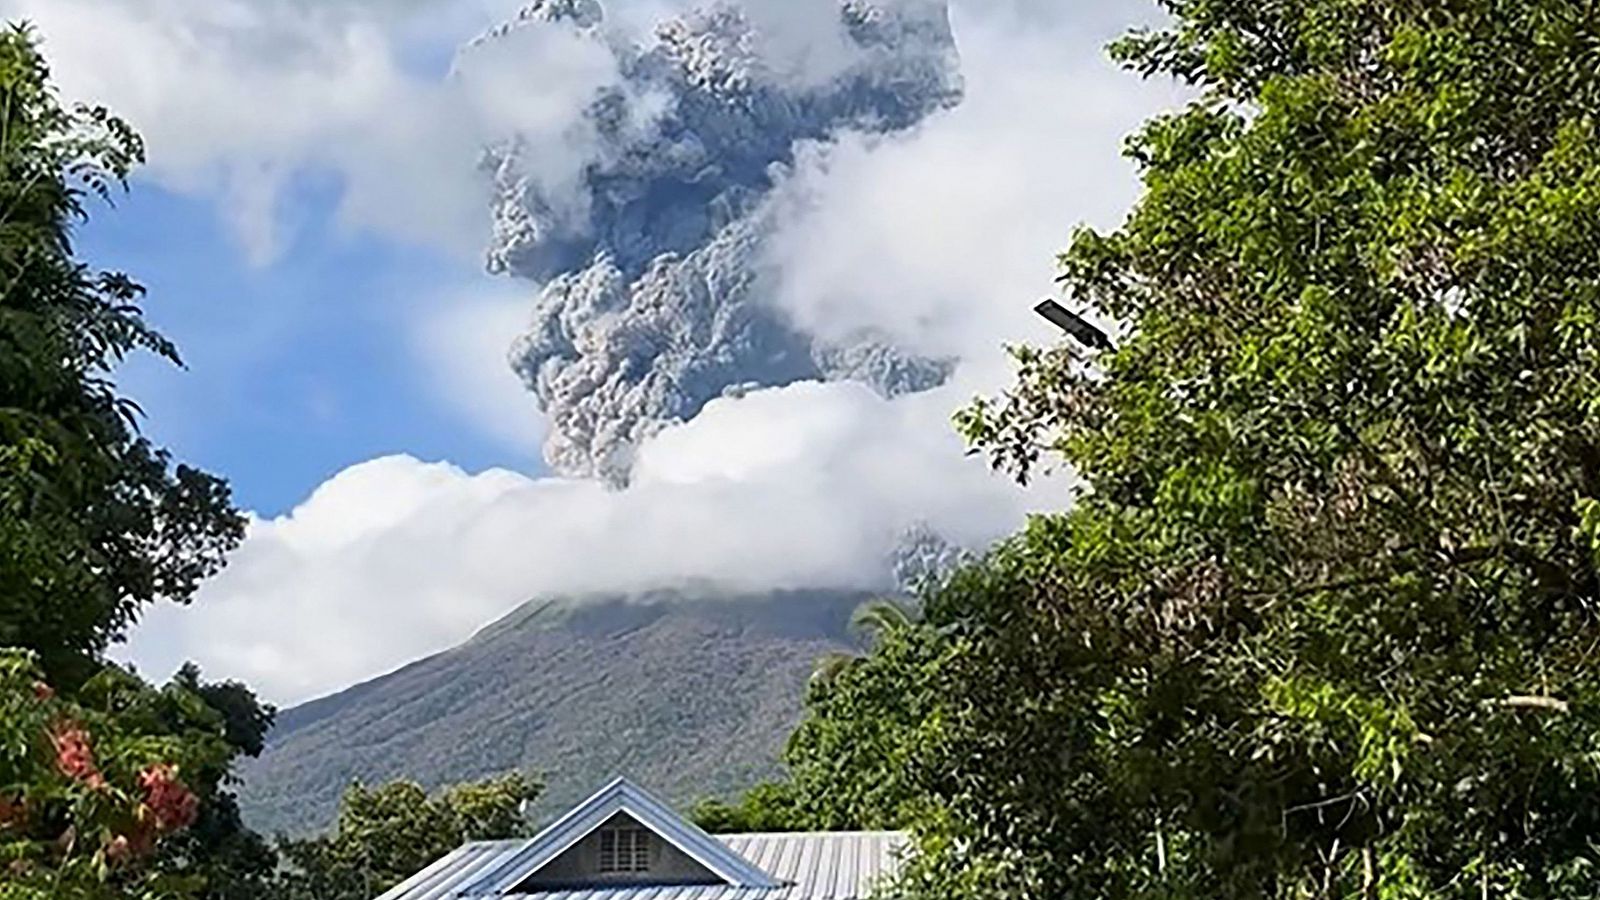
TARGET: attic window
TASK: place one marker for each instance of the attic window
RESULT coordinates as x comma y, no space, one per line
624,850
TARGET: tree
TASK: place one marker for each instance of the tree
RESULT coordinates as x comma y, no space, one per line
1322,619
387,834
92,791
849,762
768,806
95,522
123,788
870,621
228,860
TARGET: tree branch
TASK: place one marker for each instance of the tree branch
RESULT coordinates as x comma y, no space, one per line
1548,704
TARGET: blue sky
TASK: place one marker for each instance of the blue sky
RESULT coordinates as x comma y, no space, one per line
298,368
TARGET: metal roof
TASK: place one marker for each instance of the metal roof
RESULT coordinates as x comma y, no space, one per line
621,795
841,865
782,866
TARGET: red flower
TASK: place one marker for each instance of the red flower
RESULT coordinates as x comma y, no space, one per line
173,805
74,757
43,691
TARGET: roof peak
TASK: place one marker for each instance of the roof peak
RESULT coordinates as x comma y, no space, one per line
620,796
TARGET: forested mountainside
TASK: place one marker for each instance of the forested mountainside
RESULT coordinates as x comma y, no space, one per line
688,692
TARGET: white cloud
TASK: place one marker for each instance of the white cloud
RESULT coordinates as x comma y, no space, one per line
802,40
238,98
464,341
945,237
806,486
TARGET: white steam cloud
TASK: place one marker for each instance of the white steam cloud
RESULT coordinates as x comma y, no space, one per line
807,486
237,99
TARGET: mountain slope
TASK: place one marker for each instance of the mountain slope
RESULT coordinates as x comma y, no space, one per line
691,696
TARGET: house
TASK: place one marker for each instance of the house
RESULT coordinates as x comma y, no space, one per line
623,844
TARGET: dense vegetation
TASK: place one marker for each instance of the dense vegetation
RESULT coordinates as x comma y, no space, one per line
386,835
97,523
1322,620
110,787
118,790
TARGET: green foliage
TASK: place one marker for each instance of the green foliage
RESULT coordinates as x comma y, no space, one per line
851,761
95,523
846,764
96,791
232,862
1322,620
869,622
75,814
768,806
387,834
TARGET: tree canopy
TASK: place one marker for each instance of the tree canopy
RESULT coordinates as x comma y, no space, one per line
387,834
95,520
119,790
1321,620
108,786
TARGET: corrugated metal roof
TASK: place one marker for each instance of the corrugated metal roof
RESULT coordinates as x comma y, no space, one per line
621,795
807,866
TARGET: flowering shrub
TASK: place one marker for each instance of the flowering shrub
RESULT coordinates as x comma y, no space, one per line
86,794
172,806
74,757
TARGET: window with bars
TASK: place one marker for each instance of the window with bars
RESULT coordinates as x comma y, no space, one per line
624,850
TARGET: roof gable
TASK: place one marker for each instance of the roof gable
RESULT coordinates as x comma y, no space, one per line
621,796
587,864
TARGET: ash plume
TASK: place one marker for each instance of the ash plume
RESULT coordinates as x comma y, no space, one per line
653,295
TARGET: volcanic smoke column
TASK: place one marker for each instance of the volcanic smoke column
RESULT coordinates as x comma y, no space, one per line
654,298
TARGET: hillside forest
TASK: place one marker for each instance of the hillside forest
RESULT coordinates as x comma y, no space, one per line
1318,620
